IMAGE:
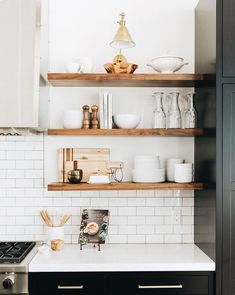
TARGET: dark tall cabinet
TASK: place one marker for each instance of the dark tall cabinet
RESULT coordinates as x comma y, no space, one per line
228,209
215,207
225,147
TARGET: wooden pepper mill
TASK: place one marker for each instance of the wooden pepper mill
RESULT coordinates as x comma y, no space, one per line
94,121
86,117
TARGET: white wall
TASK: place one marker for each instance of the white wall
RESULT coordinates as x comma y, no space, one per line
85,28
79,28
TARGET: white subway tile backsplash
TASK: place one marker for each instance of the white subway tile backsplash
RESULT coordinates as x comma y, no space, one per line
142,216
85,202
143,229
8,202
15,155
182,229
34,173
15,230
188,239
7,146
118,220
15,211
34,155
154,220
7,183
127,211
173,239
3,173
118,239
176,201
24,182
154,239
188,201
7,164
24,164
188,219
154,202
138,202
2,155
145,193
136,239
146,211
127,229
7,220
14,173
23,220
136,220
118,202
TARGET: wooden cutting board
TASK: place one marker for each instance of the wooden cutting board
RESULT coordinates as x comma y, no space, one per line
90,160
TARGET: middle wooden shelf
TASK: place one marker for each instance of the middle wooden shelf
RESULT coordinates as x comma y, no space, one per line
129,132
59,186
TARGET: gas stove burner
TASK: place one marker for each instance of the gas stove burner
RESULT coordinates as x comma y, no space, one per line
14,252
4,245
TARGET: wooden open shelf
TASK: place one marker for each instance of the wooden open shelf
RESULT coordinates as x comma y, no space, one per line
128,80
128,132
125,186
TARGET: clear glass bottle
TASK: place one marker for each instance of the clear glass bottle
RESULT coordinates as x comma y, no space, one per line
159,116
184,112
174,115
191,114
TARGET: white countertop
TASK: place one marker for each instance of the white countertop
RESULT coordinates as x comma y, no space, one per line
123,257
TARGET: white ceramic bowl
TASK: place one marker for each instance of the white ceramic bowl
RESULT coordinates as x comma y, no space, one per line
148,176
167,64
147,162
73,119
126,121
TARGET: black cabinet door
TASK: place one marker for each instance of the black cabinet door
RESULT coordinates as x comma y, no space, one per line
228,38
66,284
228,267
168,283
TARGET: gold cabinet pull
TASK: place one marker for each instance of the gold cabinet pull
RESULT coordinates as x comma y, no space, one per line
70,287
161,287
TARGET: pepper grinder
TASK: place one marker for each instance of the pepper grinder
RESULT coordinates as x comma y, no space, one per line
94,121
86,117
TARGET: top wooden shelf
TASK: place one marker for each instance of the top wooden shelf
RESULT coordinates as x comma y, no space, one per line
128,80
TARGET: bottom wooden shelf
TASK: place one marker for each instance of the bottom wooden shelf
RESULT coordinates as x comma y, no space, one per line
58,186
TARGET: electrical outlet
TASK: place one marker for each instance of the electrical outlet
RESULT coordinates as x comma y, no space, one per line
176,216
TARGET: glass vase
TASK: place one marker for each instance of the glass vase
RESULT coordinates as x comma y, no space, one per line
191,114
159,116
174,115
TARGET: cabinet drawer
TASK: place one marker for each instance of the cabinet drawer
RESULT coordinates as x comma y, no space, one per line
66,284
161,284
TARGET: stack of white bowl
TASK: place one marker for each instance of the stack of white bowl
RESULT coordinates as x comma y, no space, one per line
147,169
184,173
170,168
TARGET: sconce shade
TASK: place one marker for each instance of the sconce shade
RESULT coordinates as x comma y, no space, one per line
122,39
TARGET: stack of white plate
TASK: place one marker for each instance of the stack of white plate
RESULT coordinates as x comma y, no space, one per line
170,168
147,169
184,173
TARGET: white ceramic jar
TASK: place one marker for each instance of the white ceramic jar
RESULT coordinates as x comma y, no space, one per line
54,233
73,119
170,168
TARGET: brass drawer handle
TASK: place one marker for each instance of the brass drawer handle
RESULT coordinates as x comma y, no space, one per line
70,287
161,287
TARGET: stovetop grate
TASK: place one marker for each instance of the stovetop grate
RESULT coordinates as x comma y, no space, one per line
14,252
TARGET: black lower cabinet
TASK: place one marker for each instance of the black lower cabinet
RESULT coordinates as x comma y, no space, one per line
66,283
123,283
169,283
